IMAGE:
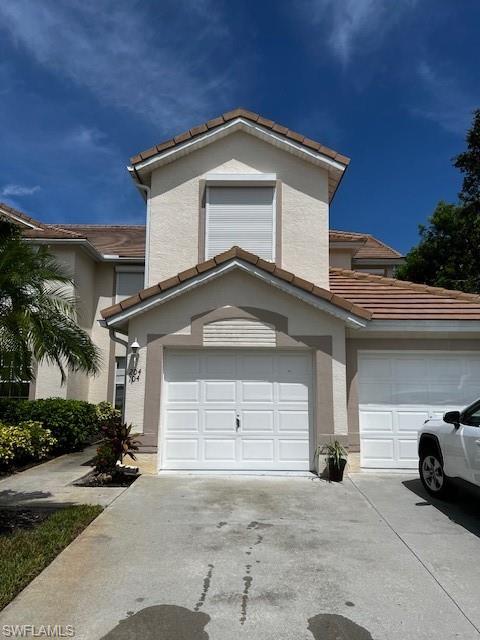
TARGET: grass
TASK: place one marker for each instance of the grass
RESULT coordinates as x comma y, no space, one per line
25,553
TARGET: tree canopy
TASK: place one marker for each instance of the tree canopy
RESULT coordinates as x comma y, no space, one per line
448,254
38,320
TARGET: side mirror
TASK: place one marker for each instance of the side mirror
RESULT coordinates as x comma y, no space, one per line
452,417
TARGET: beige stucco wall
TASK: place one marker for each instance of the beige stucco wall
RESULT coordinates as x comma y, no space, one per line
94,285
240,290
84,277
101,387
175,205
48,382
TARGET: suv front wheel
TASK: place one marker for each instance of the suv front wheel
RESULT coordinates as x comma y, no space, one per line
432,475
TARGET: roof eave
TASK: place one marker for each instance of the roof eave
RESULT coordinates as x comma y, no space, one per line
145,166
354,317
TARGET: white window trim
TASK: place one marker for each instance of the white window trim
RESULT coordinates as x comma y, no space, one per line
241,179
244,183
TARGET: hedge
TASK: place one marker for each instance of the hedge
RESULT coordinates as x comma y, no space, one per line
73,423
23,443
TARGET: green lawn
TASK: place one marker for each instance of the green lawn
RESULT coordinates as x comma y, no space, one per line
25,553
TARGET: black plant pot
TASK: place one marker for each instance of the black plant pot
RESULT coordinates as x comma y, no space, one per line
335,472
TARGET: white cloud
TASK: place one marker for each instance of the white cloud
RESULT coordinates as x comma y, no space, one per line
443,100
18,190
88,140
161,67
354,24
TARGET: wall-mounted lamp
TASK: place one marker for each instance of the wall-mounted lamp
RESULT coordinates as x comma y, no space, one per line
133,370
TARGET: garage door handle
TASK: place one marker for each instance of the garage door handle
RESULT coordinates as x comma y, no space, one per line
237,423
477,442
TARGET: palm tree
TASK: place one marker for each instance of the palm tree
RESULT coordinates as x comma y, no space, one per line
37,312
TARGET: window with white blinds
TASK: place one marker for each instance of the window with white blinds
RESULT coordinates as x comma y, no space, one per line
242,216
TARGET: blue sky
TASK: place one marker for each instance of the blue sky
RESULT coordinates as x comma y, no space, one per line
86,84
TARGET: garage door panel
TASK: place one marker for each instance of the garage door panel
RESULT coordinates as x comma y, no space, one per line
218,420
291,392
293,450
182,420
256,367
295,421
410,393
407,450
184,391
376,420
182,449
257,391
415,387
292,367
375,392
409,368
408,420
379,368
222,449
185,368
217,366
258,450
257,421
216,391
379,448
270,392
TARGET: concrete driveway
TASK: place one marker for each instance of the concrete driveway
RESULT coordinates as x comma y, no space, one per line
280,558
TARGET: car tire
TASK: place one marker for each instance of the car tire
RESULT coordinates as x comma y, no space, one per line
432,475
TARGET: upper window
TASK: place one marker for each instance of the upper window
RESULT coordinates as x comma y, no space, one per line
129,282
242,216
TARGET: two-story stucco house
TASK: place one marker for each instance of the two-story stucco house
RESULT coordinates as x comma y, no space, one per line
257,332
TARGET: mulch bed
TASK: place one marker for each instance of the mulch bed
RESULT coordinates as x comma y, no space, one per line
94,479
14,519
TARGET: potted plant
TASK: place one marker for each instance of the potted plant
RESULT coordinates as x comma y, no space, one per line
336,459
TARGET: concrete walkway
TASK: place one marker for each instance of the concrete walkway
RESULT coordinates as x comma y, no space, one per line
268,558
49,484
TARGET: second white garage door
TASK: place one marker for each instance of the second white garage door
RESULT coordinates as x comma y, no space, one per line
399,391
238,409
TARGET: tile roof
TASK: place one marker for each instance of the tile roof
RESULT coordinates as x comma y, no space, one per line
334,176
246,115
390,299
372,248
126,241
10,211
246,256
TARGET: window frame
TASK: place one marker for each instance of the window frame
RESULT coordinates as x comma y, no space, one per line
247,181
466,414
127,269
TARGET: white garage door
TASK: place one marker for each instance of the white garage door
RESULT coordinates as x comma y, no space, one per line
239,409
399,391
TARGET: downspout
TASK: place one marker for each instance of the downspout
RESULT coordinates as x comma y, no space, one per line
147,191
124,343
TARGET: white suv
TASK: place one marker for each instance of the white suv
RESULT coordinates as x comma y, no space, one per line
450,449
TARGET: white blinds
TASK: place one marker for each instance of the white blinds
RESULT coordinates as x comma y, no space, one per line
242,216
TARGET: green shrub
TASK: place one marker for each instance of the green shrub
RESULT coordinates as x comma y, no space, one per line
106,412
74,423
105,459
24,442
118,439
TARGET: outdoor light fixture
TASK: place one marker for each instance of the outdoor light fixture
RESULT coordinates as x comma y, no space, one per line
133,370
135,346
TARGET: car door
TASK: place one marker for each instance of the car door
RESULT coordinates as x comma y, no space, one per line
469,434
